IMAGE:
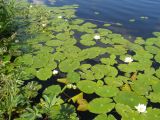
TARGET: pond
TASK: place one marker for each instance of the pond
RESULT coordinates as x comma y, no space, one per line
87,59
119,11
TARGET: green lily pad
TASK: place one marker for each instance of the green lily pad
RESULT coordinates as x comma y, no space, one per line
130,98
157,57
152,49
87,86
106,91
44,74
104,117
101,105
87,42
59,56
154,97
54,43
140,41
84,67
73,77
27,59
77,21
69,65
151,41
127,112
87,74
113,81
52,90
140,87
109,61
158,73
107,25
152,114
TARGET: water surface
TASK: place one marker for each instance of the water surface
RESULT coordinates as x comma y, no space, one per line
120,11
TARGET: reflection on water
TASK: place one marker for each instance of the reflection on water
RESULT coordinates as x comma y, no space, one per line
118,11
48,2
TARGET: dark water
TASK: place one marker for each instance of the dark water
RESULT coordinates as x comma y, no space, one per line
120,11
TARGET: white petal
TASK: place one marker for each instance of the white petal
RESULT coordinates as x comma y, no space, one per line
55,72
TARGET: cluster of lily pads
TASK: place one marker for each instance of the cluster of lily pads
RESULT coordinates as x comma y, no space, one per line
124,75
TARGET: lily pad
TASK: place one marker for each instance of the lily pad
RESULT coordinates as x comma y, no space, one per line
69,65
104,117
101,105
106,91
73,77
52,90
44,74
87,86
129,98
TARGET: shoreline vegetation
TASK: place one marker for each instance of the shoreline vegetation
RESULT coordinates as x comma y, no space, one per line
56,66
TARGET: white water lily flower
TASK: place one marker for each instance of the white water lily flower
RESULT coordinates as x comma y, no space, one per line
141,108
44,25
74,87
97,37
55,72
128,60
30,6
60,17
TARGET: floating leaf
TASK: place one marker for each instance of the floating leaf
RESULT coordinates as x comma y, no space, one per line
139,40
77,97
106,91
113,81
87,74
140,87
52,90
87,86
157,57
134,76
54,43
73,77
152,49
154,97
63,80
104,117
125,87
126,112
129,98
44,74
83,105
107,25
69,65
101,105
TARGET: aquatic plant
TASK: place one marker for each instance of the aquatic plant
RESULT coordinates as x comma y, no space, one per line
95,61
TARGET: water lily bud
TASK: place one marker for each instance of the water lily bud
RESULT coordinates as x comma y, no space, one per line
128,60
44,25
69,86
141,108
97,37
55,72
74,87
